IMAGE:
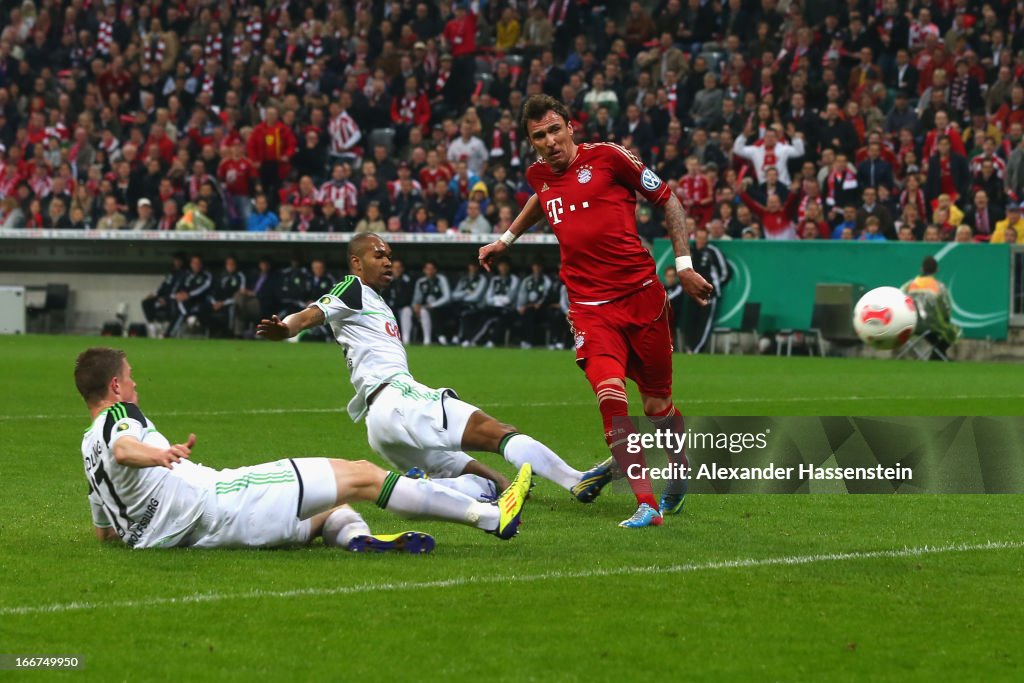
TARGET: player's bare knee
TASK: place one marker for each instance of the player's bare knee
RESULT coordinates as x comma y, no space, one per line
656,406
357,479
367,474
484,433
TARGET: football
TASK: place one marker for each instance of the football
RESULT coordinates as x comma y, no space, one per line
884,318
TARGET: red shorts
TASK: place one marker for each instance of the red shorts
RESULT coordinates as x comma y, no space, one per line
632,336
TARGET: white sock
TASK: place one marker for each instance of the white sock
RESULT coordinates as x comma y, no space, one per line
423,499
427,324
520,448
474,486
342,526
405,322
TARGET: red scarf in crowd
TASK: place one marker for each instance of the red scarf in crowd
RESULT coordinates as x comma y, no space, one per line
496,149
802,209
442,79
194,183
407,108
917,198
557,12
847,176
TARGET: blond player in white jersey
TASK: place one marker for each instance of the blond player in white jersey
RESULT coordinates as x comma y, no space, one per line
410,425
145,491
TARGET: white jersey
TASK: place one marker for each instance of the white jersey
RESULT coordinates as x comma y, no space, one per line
150,506
366,328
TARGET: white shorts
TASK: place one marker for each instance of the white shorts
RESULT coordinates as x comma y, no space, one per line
411,425
266,506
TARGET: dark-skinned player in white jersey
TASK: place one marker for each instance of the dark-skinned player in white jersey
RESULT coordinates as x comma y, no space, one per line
413,426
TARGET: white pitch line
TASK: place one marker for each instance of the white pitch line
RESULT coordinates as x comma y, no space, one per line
538,404
745,563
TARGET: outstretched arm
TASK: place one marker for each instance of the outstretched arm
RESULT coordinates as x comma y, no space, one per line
531,214
693,284
276,329
131,452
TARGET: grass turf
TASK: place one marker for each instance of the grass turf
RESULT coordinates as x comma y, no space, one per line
560,603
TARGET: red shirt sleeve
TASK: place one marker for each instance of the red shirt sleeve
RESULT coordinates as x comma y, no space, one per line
631,172
757,209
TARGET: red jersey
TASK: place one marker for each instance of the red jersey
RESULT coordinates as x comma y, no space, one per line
461,35
693,192
342,194
236,174
428,177
956,142
164,145
591,208
413,110
271,142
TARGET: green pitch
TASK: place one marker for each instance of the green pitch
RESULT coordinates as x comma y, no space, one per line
810,588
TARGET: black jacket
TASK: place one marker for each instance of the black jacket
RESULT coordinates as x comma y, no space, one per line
171,284
399,294
712,265
961,176
227,286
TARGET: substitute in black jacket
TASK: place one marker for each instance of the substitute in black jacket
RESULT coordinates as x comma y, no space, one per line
190,298
294,291
220,309
468,299
159,307
320,282
534,293
258,299
430,301
398,297
676,300
711,264
499,310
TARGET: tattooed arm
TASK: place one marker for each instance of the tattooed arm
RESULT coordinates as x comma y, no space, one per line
675,221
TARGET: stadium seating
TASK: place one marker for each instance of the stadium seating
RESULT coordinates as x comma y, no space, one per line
748,324
51,316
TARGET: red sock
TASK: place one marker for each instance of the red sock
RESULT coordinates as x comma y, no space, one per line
672,420
617,428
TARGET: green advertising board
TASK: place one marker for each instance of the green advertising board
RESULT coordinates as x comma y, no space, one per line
782,276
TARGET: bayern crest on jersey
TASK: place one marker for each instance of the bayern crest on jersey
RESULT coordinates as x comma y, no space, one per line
650,180
584,175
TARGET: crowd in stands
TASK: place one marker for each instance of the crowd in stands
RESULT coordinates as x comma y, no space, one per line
472,308
771,119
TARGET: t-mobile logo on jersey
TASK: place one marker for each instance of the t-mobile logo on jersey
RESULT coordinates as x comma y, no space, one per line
555,209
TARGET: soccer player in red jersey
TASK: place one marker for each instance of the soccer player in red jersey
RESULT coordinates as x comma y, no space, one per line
618,309
695,192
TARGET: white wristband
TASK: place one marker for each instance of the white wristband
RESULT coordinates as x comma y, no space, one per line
683,263
508,238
